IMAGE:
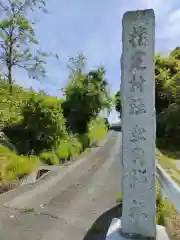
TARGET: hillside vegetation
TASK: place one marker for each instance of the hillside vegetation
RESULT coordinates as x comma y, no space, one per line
37,128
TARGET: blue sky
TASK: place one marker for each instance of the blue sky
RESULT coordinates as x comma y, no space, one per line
94,28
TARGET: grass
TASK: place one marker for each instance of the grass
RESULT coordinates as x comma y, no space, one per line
49,158
119,197
97,130
166,214
164,209
13,166
167,159
27,210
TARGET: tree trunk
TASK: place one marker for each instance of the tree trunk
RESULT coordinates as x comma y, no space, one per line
10,63
10,79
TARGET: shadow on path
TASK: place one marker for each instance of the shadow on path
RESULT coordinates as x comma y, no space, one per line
115,128
100,227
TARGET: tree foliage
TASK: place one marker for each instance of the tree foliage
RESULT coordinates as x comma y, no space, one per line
17,38
176,53
44,124
41,127
167,97
86,95
167,81
117,102
43,119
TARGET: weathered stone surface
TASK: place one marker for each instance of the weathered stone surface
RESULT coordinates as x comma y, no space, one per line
138,124
115,229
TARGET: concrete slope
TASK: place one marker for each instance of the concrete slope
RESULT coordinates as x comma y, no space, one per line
73,198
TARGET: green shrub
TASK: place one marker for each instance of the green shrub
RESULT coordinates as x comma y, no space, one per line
159,206
97,130
169,124
22,165
13,166
63,151
84,140
43,119
11,105
20,137
164,208
69,147
49,158
119,197
32,121
75,147
6,142
4,149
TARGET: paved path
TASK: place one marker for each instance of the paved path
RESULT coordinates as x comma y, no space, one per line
80,200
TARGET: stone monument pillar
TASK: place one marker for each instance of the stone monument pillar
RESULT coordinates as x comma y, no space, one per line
138,128
138,131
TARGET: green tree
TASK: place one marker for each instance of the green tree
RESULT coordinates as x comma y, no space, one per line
17,38
168,98
117,101
86,95
43,123
167,73
176,53
163,95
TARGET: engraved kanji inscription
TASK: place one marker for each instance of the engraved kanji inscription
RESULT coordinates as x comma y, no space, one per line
138,156
138,129
140,161
137,211
137,83
136,106
138,61
138,177
138,36
137,134
142,171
